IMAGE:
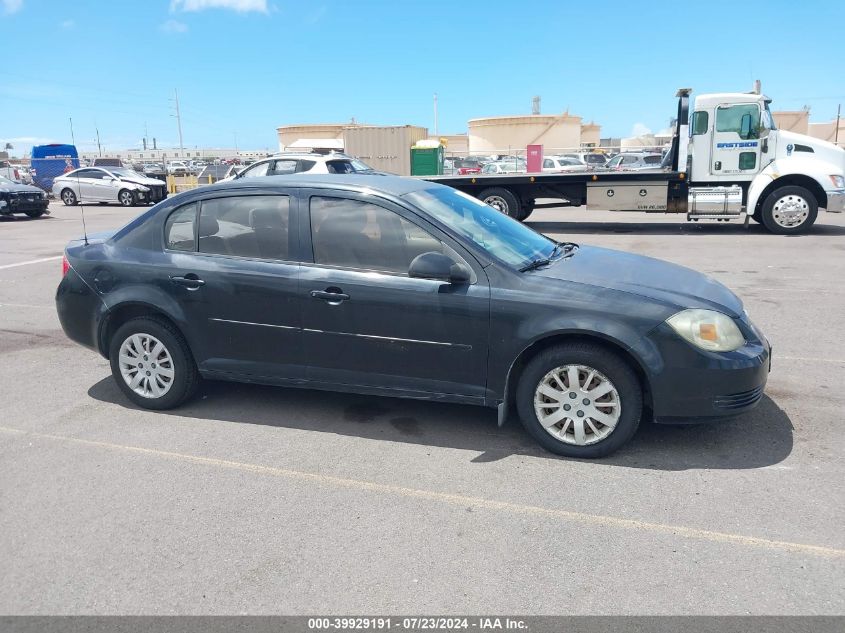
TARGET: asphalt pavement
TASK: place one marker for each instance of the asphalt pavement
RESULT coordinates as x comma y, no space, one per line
255,499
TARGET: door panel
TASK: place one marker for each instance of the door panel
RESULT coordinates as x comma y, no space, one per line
238,285
736,141
366,323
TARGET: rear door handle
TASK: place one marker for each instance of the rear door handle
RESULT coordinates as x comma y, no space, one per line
190,281
333,298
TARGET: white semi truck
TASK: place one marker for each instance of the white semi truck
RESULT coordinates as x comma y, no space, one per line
728,161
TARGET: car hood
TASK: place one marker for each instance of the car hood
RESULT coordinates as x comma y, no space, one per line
644,276
142,180
19,188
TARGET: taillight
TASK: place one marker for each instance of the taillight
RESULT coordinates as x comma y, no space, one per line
65,265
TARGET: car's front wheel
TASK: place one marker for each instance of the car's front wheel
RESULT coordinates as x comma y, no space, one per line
37,213
126,198
579,400
68,197
152,364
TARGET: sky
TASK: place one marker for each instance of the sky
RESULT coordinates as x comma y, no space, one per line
244,67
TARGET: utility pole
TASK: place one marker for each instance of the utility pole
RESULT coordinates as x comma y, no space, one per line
836,133
99,147
435,114
179,123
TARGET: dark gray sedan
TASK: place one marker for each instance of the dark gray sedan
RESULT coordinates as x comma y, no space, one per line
399,287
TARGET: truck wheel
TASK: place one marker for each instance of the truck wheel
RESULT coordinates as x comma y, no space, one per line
579,400
789,210
126,198
501,200
527,209
68,197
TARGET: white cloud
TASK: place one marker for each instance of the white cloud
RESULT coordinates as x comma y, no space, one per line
68,24
640,129
12,6
241,6
173,26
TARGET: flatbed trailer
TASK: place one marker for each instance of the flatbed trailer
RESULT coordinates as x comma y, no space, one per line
730,163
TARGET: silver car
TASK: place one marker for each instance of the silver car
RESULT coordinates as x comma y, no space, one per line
635,161
112,184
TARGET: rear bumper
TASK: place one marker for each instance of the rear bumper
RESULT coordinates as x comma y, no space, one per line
836,201
697,386
80,310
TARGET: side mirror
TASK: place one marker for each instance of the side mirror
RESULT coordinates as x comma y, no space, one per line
746,127
434,265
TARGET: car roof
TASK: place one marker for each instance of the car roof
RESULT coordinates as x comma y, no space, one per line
394,185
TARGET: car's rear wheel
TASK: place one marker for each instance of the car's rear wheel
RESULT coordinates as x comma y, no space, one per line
152,364
126,198
579,400
68,197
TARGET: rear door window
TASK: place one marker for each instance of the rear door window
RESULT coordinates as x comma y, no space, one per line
246,226
285,166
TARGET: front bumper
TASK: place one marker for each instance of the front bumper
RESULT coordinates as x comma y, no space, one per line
22,202
836,201
696,386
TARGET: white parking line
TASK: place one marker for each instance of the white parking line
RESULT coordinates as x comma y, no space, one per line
31,261
810,359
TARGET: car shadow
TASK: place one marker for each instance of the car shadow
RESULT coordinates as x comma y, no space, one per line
673,228
760,438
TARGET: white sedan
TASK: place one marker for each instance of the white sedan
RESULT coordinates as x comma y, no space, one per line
563,164
112,184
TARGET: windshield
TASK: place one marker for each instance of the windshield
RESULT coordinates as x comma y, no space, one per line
499,235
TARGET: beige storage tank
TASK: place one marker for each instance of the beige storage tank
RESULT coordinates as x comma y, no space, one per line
503,134
385,148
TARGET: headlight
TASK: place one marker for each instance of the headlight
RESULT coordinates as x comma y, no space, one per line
707,330
838,181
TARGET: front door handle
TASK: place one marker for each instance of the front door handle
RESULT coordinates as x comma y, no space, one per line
332,298
190,281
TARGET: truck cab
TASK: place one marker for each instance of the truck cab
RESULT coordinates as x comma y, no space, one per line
785,177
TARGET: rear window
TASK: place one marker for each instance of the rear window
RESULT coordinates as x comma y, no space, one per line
652,160
594,159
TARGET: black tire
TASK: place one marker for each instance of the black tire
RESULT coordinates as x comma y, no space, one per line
769,212
527,209
185,375
36,213
68,197
127,198
502,200
611,366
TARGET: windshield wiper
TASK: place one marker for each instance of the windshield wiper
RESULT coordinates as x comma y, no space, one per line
535,264
561,249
